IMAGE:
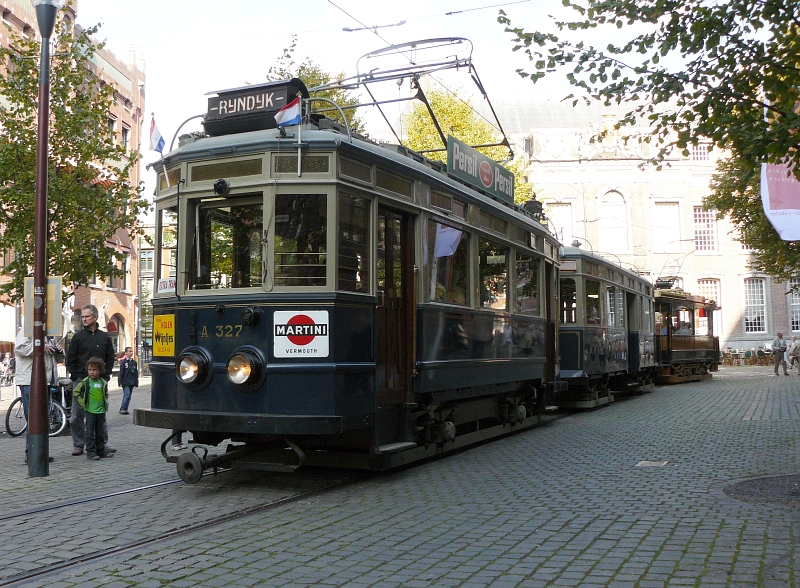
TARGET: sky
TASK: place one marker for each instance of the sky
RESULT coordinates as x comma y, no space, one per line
193,47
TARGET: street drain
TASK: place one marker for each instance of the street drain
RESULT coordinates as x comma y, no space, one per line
651,464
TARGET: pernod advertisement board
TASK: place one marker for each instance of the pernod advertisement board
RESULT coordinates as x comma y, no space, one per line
473,167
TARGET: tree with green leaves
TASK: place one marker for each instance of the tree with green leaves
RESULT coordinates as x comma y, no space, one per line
695,70
457,118
313,75
90,195
736,189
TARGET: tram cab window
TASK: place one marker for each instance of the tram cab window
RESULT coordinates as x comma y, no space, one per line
592,302
527,299
683,321
703,324
166,250
301,239
662,320
448,260
227,240
353,251
568,296
493,274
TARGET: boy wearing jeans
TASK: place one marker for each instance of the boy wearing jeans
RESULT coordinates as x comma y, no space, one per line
91,394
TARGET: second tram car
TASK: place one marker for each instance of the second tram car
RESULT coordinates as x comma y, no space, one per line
323,299
606,335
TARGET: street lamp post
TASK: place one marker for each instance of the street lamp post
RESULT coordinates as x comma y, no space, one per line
39,449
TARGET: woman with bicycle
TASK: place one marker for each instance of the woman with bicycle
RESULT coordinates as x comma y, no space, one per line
23,348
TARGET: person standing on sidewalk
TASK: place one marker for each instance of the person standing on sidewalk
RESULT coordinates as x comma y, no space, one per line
778,352
90,342
23,348
92,395
128,378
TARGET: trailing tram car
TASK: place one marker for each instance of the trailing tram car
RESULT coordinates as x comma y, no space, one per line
606,330
323,299
686,347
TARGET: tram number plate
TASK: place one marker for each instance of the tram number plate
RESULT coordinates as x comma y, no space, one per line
302,333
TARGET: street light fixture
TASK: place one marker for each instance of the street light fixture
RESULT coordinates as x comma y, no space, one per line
39,446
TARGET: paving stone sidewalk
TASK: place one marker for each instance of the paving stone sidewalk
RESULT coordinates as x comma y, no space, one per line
562,505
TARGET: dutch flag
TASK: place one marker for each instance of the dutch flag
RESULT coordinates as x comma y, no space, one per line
289,114
156,140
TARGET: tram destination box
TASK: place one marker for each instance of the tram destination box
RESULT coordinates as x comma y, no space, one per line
249,108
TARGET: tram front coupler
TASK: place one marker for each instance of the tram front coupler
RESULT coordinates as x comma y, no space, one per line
192,464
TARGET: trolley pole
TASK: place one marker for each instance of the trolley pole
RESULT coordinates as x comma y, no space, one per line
39,442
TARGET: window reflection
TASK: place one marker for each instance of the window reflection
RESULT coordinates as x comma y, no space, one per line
493,274
448,259
300,239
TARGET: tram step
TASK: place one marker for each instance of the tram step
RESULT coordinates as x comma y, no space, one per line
395,447
550,408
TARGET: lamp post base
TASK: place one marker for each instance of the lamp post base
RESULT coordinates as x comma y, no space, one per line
38,456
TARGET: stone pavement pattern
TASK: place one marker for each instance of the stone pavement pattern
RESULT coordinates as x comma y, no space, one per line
560,505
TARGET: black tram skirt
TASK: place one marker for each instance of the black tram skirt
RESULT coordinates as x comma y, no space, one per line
227,422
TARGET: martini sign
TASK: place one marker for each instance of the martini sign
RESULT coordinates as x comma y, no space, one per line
301,334
474,168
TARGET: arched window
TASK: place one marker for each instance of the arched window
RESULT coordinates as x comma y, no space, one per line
613,223
116,330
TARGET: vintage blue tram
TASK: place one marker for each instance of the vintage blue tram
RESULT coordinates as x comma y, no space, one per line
327,300
606,334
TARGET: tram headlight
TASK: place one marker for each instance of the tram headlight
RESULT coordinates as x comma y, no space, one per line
192,367
245,367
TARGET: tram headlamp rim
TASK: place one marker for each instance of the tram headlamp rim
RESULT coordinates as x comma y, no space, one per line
253,363
198,367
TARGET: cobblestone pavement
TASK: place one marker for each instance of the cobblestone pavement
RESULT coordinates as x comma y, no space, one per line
564,504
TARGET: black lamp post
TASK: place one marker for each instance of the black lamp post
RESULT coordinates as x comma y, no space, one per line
39,446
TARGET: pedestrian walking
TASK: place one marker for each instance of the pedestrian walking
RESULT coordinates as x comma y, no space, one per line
778,351
91,341
794,354
128,378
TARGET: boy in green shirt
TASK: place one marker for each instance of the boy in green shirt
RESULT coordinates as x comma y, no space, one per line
92,395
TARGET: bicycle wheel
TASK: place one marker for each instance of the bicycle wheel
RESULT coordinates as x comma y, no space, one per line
56,418
16,423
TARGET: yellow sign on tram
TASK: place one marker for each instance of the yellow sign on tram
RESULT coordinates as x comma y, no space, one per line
164,335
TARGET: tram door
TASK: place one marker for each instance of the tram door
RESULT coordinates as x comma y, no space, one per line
395,313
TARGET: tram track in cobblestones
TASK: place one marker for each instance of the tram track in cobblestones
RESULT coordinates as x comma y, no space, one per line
44,572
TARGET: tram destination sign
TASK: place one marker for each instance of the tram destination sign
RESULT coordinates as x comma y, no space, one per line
250,108
474,168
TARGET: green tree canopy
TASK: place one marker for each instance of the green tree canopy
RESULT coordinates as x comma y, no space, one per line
90,195
313,75
694,69
457,118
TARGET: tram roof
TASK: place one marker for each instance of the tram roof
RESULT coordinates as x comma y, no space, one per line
396,158
571,252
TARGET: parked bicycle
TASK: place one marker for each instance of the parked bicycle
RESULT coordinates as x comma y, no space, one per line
57,415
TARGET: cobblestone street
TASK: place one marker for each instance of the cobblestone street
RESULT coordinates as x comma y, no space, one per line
564,504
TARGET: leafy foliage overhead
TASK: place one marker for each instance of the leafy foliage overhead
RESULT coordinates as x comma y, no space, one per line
90,196
694,68
457,118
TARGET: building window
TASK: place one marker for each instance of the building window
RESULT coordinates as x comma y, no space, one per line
794,304
708,289
705,229
613,224
666,227
560,216
112,129
755,307
146,261
700,152
126,137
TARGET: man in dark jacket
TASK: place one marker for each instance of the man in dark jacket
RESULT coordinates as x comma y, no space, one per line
128,378
92,341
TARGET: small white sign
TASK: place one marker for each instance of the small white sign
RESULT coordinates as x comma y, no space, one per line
166,285
302,333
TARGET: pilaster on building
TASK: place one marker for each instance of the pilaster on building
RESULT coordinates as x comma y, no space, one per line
116,299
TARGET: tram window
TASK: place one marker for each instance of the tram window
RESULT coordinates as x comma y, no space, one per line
448,258
621,308
592,302
683,321
647,309
228,242
568,295
301,233
662,322
611,308
702,324
527,284
493,274
166,247
353,252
